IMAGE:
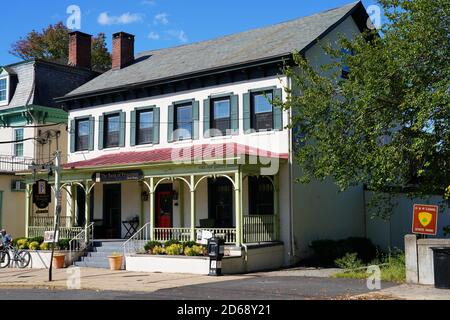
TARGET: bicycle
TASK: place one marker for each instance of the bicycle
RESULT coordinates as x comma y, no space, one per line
22,257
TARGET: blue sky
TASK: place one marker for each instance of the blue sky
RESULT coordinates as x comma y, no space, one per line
156,23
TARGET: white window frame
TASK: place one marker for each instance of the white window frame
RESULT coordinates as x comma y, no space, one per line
5,102
14,144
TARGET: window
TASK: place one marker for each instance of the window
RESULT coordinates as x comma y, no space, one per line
82,135
221,116
183,122
144,127
262,110
18,146
3,90
260,196
112,130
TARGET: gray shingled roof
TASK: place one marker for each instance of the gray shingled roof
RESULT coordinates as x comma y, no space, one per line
253,45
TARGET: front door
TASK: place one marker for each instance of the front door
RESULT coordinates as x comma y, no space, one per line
112,213
220,195
164,206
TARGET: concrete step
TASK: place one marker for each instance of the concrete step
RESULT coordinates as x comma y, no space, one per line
107,249
96,264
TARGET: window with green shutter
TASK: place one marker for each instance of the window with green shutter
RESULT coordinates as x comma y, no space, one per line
144,126
220,115
261,110
112,130
183,121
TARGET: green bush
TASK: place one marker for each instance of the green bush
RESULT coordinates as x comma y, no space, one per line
195,250
168,243
63,244
174,249
158,250
150,245
22,243
349,261
15,241
34,245
189,244
36,239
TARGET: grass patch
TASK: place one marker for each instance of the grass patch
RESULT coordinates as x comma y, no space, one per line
392,267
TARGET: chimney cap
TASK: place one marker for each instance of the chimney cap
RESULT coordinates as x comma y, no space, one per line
80,33
123,34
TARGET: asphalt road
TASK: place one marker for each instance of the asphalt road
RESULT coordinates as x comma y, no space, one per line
260,288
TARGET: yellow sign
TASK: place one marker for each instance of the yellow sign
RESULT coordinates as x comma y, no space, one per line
425,218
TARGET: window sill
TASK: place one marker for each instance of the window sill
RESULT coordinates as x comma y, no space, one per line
187,141
111,149
263,133
228,137
141,146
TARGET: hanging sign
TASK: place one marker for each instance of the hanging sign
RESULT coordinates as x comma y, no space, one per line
425,219
42,194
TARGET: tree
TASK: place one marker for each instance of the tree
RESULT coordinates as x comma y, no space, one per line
52,44
386,124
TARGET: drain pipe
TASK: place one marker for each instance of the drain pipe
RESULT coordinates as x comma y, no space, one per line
291,200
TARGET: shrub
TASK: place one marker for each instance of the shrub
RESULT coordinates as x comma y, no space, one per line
149,246
36,239
168,243
45,246
189,244
158,250
174,249
15,241
22,243
195,250
63,244
34,245
349,261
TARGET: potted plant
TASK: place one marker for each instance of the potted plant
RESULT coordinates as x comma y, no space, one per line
59,260
115,261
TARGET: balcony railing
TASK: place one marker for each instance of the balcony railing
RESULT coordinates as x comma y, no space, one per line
14,164
46,221
259,228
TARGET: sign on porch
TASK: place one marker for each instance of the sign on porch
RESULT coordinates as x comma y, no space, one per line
49,235
42,194
117,176
425,219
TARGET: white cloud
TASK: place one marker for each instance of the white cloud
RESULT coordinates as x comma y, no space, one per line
161,18
153,36
106,20
179,34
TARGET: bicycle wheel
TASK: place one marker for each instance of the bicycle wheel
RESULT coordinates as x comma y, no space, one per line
23,259
4,259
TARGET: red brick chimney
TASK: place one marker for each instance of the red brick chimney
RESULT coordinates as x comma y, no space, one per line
123,50
80,50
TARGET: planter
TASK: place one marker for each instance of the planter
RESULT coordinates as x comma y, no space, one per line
115,262
59,260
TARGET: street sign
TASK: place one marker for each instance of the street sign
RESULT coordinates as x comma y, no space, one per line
425,219
42,194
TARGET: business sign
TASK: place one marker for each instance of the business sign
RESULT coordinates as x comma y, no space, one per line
49,236
42,194
117,176
425,219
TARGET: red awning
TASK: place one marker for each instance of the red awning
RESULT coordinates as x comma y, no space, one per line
191,153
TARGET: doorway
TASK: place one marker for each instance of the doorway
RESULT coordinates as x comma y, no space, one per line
164,206
220,196
112,211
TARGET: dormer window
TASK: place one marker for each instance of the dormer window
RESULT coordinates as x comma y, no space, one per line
3,90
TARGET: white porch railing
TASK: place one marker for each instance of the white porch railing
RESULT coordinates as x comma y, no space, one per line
259,228
64,232
228,234
137,241
78,242
165,234
49,221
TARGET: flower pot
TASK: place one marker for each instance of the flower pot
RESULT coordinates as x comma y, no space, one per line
59,260
115,262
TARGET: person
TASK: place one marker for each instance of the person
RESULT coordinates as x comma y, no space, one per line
5,239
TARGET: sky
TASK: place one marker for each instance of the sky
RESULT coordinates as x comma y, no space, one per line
155,23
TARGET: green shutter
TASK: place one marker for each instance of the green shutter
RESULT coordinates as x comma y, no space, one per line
122,129
133,126
91,133
277,111
101,127
246,112
72,136
155,125
195,119
234,102
206,117
170,120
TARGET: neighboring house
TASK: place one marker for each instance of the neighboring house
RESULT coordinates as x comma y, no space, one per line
188,139
27,113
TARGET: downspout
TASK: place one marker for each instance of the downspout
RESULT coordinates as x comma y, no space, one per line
28,110
291,199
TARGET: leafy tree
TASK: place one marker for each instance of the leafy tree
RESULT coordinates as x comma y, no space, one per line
386,123
52,44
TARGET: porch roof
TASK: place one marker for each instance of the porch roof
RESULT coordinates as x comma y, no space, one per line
181,155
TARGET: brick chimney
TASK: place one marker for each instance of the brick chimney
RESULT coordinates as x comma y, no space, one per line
80,50
123,50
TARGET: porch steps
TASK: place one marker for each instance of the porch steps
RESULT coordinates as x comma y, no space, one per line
97,256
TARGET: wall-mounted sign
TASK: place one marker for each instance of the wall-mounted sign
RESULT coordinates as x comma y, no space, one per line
117,176
425,219
42,194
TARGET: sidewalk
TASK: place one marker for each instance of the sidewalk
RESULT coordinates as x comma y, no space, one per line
407,292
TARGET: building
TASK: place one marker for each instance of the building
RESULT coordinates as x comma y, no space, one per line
190,139
36,127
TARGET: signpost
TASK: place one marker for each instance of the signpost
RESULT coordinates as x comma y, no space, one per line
42,194
425,219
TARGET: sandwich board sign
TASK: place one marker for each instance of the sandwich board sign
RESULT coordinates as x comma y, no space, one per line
425,219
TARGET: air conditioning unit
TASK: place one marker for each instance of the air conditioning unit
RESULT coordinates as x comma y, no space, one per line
18,185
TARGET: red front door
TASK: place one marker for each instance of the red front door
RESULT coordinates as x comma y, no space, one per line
164,209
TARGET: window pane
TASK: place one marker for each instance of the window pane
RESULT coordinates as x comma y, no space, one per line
112,131
18,149
2,89
145,127
221,109
221,117
18,134
184,122
263,103
82,135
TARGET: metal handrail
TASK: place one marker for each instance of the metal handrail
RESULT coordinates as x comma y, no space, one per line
74,243
137,240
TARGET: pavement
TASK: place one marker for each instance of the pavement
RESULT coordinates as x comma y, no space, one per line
287,284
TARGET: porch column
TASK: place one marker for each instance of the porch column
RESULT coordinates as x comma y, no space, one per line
27,208
192,187
276,206
72,205
238,211
152,208
87,211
